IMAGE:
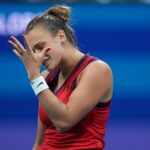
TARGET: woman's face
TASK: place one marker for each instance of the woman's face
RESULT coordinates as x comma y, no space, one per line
40,39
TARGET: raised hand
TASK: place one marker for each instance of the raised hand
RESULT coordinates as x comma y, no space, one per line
32,61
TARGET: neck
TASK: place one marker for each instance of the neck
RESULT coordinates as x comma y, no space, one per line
69,62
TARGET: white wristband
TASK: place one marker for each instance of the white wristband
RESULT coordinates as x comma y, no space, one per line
38,85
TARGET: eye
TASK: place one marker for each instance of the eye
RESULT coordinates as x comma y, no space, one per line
38,49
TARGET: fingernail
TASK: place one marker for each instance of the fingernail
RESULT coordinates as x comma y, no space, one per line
23,36
8,42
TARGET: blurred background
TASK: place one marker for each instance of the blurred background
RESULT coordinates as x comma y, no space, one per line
116,31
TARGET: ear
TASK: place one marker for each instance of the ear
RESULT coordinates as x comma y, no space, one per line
62,36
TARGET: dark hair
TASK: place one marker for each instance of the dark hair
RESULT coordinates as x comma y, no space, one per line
55,19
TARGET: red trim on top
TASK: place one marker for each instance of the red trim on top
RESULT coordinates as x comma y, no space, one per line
73,71
76,73
51,75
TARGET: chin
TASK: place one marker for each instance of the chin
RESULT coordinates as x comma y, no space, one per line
49,68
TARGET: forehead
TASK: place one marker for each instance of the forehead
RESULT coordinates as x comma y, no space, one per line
38,34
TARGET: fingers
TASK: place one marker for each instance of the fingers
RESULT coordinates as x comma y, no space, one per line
42,52
16,45
27,44
19,45
17,53
20,50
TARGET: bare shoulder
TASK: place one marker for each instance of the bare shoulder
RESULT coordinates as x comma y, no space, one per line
98,69
101,65
98,76
45,73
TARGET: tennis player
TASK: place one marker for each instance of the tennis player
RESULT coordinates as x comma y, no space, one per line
75,90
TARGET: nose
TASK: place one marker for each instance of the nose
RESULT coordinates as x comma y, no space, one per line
48,49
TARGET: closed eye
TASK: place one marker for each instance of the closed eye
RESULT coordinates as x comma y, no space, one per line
39,46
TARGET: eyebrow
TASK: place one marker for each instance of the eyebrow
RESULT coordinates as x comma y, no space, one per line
38,44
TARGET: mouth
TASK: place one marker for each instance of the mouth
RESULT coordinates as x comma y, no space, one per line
46,62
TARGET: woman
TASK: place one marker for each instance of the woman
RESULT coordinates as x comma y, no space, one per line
74,92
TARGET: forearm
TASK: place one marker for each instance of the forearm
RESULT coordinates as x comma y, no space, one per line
55,108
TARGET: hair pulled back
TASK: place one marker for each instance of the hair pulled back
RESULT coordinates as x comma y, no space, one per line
54,19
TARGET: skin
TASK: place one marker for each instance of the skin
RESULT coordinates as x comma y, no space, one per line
96,76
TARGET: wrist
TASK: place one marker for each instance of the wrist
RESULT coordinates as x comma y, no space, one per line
34,74
38,84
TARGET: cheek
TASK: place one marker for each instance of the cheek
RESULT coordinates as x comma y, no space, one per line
57,57
54,55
